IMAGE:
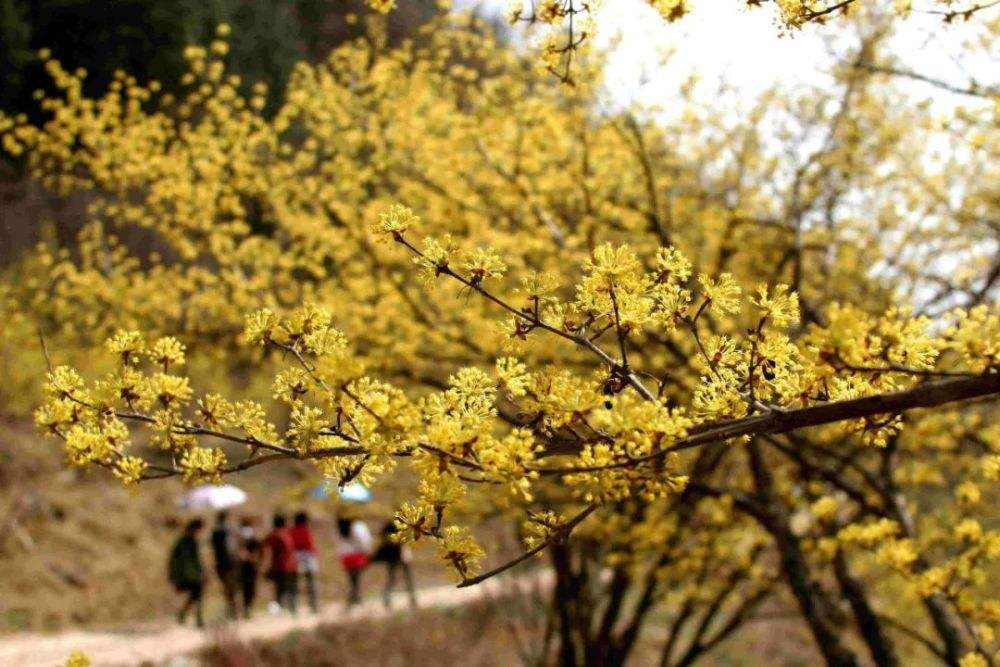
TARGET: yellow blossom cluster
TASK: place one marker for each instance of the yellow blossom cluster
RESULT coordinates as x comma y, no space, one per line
712,364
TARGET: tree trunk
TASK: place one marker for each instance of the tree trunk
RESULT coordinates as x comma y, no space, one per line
813,602
564,595
880,646
943,620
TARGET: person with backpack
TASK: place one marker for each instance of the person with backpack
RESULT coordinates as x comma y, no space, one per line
354,545
282,565
250,555
305,554
396,557
224,546
185,572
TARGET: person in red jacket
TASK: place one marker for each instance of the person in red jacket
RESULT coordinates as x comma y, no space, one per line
282,565
305,554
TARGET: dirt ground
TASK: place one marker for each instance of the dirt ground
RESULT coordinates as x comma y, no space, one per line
289,637
78,551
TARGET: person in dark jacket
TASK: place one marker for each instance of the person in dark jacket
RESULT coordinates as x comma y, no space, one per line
185,571
250,555
396,557
224,546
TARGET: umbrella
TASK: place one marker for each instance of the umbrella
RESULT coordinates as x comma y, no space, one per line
319,492
355,492
211,497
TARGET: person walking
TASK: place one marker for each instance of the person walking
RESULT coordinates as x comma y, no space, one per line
282,565
354,546
224,546
396,557
185,572
250,548
305,554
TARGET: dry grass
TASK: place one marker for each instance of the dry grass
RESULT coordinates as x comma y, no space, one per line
486,633
471,635
74,551
78,550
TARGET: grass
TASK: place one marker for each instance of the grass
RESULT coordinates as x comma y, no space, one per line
79,551
471,635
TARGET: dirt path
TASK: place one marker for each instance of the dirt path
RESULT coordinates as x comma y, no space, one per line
162,641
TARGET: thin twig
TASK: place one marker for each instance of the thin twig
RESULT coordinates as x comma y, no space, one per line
559,533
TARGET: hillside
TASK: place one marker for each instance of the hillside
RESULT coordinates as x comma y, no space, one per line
80,551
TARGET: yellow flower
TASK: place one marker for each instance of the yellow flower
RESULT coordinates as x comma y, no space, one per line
722,294
397,220
438,253
932,581
412,521
973,659
484,263
968,493
780,306
672,265
513,376
969,530
458,548
202,464
129,470
991,467
169,390
64,382
260,326
670,10
556,211
870,533
290,385
78,659
382,6
128,344
167,351
825,507
307,422
898,553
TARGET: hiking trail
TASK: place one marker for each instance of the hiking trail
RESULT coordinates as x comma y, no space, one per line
161,641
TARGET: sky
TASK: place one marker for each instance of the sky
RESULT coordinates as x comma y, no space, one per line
722,38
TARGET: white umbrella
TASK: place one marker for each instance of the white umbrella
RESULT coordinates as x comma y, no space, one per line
355,492
212,497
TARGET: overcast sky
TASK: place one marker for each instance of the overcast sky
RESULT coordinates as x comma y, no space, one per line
720,38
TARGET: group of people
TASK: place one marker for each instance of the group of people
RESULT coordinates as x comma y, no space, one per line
287,556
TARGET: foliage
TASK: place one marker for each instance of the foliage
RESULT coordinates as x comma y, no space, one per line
696,352
78,659
147,38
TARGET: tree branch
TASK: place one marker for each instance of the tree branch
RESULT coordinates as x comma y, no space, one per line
924,395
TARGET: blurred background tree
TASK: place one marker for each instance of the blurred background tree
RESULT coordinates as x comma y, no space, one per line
146,38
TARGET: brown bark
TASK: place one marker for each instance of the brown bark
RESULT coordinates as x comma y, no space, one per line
816,608
879,644
924,395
